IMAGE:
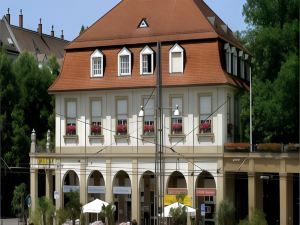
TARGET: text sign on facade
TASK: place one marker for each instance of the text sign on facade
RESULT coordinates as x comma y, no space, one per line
202,209
122,190
170,199
205,192
176,191
96,189
56,195
45,161
69,188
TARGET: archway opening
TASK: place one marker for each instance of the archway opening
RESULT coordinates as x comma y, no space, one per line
147,190
71,183
177,184
96,186
205,198
122,196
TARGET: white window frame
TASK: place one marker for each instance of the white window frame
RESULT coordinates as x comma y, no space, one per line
207,116
71,120
228,57
92,122
234,61
124,52
176,49
146,51
96,54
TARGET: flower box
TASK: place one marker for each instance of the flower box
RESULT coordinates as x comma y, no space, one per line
95,129
205,127
237,147
122,129
71,130
177,127
292,147
272,147
148,128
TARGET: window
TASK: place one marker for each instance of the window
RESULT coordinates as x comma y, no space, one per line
122,116
71,117
229,122
205,125
176,59
97,64
96,117
247,67
149,116
228,57
124,62
146,61
234,61
242,65
176,121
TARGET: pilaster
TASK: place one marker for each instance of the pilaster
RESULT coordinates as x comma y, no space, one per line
33,188
83,184
135,192
108,183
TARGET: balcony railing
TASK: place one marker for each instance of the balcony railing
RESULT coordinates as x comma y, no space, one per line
262,148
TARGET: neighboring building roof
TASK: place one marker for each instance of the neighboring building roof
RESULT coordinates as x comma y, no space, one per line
168,20
41,46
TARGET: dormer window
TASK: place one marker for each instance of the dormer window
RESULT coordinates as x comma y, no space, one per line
228,57
124,62
176,59
97,64
234,61
146,61
242,64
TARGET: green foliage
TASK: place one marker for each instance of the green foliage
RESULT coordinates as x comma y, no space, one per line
82,219
18,201
82,29
273,39
179,215
53,65
108,213
258,219
225,214
73,206
47,209
61,216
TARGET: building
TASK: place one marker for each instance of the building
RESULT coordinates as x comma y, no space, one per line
104,149
17,39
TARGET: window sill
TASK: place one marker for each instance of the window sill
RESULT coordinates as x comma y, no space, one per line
145,136
121,136
71,137
95,137
177,136
206,135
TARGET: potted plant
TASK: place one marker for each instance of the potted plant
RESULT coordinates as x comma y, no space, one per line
205,127
177,127
122,129
148,128
96,129
71,129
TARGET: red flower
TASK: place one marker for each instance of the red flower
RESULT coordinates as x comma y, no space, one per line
71,129
176,126
96,129
205,125
122,128
148,128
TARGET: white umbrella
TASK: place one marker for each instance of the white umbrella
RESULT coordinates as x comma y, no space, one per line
175,205
94,206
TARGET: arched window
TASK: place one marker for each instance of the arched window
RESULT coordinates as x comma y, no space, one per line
176,59
97,64
124,62
146,61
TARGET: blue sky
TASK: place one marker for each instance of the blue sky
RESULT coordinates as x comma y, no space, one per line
69,15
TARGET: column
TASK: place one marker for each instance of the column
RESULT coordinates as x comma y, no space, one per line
251,194
283,185
34,188
221,177
108,183
49,185
135,209
58,189
191,186
83,184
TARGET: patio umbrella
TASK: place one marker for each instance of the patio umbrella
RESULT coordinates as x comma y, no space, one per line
175,205
94,206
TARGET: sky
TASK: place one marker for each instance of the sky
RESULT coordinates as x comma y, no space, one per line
70,15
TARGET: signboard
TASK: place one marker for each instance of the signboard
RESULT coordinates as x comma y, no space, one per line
56,195
122,190
202,209
169,199
96,189
45,161
176,191
206,192
69,188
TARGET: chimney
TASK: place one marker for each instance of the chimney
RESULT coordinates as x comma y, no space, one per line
21,19
8,16
62,35
40,27
52,32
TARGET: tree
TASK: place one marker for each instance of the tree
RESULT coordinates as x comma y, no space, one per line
273,40
82,29
73,206
258,219
18,201
108,213
225,214
47,209
53,65
179,215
